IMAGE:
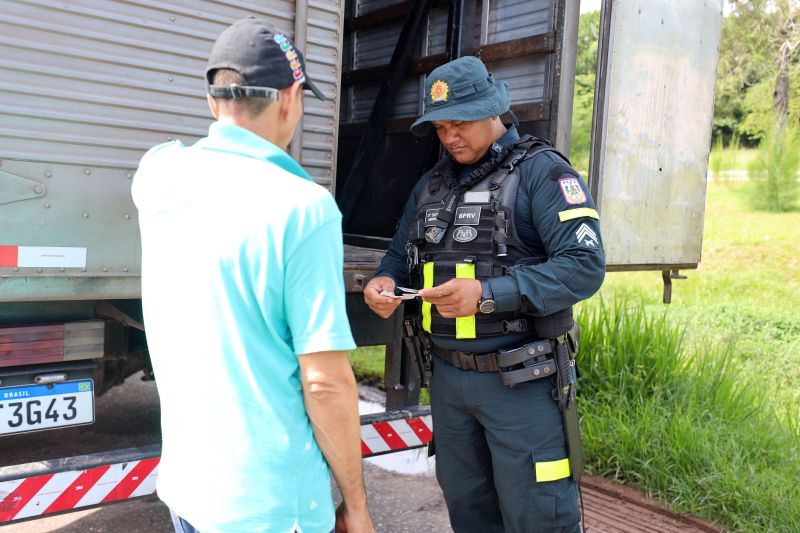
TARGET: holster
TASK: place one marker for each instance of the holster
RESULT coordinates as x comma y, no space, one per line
417,343
566,348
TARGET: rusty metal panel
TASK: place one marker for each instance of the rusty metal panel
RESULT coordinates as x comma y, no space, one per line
526,78
87,87
511,19
436,39
365,6
653,129
374,46
405,105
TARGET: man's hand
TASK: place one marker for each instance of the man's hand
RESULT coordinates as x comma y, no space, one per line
383,306
456,298
349,521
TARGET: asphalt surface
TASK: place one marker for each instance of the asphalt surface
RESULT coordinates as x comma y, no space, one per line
128,416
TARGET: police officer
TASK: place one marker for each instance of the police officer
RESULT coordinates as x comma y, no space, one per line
502,238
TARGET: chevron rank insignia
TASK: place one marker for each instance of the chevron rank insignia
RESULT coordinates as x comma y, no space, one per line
586,236
572,191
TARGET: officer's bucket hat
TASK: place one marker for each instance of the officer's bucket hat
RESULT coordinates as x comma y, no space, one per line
461,90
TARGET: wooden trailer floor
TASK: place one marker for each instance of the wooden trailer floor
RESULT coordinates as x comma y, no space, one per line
610,507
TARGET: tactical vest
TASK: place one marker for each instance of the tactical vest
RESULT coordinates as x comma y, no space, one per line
466,230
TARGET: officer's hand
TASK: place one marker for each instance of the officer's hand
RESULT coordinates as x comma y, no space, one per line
457,297
383,306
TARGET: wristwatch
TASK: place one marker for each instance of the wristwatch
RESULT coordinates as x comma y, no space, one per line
486,304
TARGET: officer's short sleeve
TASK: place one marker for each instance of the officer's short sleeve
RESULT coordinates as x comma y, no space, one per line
564,213
314,289
564,216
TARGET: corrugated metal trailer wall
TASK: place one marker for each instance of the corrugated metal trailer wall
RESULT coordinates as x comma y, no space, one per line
528,43
85,88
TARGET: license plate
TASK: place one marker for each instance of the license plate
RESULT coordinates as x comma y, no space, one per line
35,407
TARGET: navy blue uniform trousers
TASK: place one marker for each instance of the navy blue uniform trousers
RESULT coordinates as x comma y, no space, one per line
488,438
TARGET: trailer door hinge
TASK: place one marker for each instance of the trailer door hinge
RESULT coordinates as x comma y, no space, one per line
668,276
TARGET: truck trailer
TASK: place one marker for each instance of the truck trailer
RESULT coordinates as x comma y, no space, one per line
87,87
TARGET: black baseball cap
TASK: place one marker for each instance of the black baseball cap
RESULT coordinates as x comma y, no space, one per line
267,60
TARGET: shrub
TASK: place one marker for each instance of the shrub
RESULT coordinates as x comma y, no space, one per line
774,172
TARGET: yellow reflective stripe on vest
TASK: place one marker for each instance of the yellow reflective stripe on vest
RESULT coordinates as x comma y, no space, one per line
552,470
465,325
570,214
427,283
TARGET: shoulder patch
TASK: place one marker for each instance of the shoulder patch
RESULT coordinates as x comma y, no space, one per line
571,190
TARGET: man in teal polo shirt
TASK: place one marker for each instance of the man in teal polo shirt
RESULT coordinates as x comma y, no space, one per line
243,301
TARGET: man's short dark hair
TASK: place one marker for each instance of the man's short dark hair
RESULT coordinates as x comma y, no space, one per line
252,107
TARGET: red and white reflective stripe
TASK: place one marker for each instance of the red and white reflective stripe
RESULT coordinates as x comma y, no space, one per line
50,493
64,491
395,435
42,257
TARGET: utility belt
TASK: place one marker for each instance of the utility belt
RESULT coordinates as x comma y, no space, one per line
532,361
529,362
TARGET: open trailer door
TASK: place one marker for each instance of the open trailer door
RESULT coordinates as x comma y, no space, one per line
654,102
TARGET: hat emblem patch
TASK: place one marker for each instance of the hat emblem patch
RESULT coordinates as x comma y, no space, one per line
439,91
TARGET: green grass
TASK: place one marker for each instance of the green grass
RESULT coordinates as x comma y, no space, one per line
745,291
368,364
698,402
685,424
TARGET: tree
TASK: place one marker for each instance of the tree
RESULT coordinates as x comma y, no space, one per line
753,35
583,103
789,36
758,112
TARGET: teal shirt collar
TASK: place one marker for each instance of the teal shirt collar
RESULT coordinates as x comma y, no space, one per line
237,140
